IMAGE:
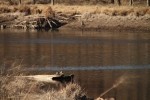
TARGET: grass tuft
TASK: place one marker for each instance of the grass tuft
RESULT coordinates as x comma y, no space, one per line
49,11
4,9
16,87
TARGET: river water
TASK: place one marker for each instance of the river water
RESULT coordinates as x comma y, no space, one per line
98,59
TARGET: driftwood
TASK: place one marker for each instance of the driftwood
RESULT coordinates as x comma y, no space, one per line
58,79
38,23
21,21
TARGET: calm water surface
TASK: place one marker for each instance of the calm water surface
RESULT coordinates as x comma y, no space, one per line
98,59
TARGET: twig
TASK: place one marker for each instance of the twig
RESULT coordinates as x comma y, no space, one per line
49,23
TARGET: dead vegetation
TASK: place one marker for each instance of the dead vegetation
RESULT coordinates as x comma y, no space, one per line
29,90
28,10
50,11
71,14
19,88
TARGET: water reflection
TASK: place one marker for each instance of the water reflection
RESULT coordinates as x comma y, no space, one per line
97,59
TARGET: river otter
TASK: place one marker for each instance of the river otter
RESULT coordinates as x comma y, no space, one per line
64,79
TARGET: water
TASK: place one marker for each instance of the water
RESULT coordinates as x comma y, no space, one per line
99,60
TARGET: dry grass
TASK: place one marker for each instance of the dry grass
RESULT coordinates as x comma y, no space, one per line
7,78
5,9
15,87
27,90
70,92
46,9
48,12
123,11
108,10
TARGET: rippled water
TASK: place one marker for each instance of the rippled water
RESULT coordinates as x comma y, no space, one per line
98,59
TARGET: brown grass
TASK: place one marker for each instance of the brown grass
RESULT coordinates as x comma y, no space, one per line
25,90
108,10
49,11
4,9
25,9
15,87
70,92
7,78
141,11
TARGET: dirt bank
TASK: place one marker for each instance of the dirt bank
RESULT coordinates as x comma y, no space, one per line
81,17
90,21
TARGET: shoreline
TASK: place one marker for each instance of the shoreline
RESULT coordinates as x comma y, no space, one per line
92,18
115,23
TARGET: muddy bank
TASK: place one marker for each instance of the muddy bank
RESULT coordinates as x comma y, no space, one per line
75,17
85,21
29,18
89,21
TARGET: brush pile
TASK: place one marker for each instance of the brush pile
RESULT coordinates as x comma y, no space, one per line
36,22
27,18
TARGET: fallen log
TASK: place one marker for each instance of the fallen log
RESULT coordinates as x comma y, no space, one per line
58,78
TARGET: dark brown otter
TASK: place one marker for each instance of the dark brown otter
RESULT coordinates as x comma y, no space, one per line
64,79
